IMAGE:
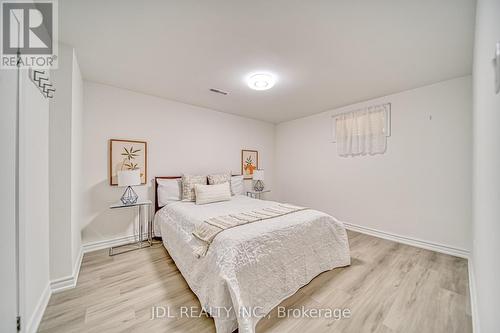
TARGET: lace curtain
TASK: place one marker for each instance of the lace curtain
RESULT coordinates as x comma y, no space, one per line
362,132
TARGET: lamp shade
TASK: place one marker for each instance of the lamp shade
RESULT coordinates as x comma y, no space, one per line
129,178
258,175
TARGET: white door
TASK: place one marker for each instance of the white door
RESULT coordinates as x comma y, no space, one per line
8,234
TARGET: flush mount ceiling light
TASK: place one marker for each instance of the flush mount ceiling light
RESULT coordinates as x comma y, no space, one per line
261,81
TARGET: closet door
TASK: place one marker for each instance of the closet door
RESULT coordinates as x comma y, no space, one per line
8,234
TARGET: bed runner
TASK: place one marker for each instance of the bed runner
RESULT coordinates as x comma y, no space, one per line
208,229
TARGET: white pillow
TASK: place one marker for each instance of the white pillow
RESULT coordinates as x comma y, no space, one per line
168,191
237,186
212,193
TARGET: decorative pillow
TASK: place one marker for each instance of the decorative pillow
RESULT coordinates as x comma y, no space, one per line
168,191
188,182
212,193
219,179
237,186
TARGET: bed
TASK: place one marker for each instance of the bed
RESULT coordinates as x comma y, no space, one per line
250,269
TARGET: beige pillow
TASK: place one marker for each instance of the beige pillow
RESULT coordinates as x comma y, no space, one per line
219,179
188,182
212,193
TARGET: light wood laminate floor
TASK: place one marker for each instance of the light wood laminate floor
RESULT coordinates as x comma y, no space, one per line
389,287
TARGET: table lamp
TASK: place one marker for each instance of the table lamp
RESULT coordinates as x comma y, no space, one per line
258,176
129,178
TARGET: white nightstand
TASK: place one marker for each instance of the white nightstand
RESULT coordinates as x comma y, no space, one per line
140,241
256,194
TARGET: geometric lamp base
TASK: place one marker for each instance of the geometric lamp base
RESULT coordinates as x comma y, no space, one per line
258,186
129,197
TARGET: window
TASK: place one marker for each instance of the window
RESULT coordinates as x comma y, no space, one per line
363,131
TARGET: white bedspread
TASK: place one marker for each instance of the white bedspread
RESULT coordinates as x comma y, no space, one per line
251,268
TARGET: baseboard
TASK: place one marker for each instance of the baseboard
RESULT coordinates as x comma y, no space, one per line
410,241
68,282
473,299
36,317
107,243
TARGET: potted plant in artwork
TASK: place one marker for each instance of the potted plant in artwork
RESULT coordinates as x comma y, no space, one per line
249,166
249,162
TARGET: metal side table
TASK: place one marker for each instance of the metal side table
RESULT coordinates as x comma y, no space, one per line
256,194
146,204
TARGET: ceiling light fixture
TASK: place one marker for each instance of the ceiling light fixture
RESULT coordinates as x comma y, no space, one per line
261,81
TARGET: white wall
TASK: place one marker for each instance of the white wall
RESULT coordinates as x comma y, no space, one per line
420,188
181,138
60,167
76,158
66,111
486,226
34,201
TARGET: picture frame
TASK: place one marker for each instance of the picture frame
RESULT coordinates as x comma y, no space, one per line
249,162
127,155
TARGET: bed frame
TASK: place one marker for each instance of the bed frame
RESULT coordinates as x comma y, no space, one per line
156,187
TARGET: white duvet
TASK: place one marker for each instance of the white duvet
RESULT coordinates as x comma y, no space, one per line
250,269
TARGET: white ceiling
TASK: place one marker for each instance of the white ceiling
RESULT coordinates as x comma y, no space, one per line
326,54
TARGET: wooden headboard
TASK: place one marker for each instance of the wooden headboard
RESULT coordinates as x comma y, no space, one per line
156,188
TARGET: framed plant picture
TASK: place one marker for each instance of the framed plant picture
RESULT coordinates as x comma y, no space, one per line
249,162
127,155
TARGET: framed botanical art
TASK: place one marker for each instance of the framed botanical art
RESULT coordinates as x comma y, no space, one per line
249,162
127,155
